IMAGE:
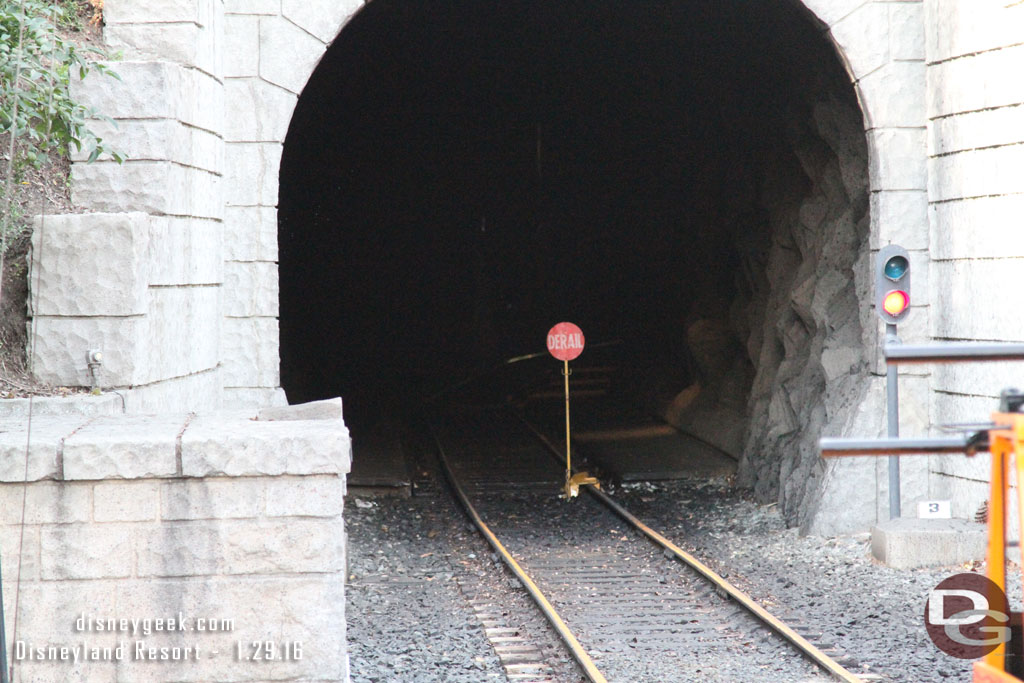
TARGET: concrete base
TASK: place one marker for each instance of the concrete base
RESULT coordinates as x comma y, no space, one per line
77,404
214,518
907,542
314,410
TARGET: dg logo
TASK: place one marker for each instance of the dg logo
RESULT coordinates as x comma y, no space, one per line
967,616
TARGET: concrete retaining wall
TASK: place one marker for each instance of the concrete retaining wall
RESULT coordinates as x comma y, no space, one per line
976,200
188,517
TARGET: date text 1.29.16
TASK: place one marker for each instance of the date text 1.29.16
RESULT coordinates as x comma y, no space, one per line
267,651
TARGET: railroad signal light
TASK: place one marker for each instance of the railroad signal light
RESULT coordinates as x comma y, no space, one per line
896,267
892,284
895,302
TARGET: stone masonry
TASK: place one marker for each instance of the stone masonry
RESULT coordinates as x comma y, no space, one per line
175,260
976,200
228,525
171,269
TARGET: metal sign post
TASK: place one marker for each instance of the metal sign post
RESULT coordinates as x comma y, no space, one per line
568,432
892,409
565,342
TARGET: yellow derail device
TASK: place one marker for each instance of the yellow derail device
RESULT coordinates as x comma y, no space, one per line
565,342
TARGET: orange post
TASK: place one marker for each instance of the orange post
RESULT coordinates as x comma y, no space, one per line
1018,451
1018,456
1000,446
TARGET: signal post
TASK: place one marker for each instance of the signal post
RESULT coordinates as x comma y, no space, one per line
892,304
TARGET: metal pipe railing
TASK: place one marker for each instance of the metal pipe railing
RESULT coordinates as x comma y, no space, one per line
952,352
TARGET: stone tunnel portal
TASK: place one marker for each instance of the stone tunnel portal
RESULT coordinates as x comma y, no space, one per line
689,176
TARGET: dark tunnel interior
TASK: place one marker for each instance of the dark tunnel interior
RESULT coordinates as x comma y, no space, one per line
459,176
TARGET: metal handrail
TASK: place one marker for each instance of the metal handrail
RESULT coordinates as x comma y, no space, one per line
951,352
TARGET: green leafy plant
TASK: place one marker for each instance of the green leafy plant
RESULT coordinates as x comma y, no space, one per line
38,115
36,68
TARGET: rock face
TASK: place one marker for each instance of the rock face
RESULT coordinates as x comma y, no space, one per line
788,364
806,328
714,407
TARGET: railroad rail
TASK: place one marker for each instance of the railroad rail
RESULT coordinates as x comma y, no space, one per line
618,603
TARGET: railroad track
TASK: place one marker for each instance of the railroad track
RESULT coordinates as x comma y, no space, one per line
626,609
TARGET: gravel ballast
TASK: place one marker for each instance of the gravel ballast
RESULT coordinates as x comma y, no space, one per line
831,585
409,619
414,564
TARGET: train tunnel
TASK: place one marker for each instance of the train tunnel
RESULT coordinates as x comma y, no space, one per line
687,176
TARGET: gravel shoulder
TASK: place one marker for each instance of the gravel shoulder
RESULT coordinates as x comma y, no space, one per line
407,618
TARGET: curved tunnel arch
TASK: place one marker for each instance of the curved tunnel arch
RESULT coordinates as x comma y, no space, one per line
705,164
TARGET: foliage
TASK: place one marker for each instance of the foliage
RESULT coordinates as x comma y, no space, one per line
39,119
36,68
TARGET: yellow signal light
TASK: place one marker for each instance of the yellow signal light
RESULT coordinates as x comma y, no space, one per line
895,302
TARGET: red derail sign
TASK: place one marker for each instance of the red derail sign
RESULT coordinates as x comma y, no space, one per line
565,341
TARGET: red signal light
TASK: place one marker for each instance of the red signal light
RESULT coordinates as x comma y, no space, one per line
895,302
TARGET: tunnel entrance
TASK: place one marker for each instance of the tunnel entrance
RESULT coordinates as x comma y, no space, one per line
688,176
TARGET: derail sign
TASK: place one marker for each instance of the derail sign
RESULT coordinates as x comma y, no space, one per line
565,341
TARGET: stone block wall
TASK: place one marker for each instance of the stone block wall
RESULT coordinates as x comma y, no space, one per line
270,49
139,274
229,527
883,45
976,200
201,111
140,288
